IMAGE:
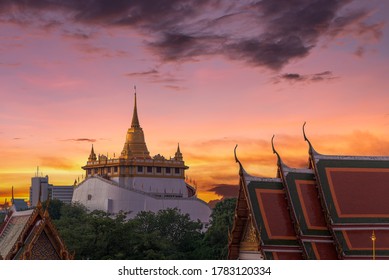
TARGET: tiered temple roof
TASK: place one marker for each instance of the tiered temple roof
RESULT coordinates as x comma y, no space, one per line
336,208
30,235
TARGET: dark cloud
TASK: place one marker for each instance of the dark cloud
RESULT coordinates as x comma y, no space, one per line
77,34
292,77
96,51
9,64
360,51
155,76
295,77
80,140
225,190
176,88
266,33
144,73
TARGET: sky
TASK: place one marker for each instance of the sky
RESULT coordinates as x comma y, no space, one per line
210,74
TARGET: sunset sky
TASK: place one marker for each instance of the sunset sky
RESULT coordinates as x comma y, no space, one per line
210,74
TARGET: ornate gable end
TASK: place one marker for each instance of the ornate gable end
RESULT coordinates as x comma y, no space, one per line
38,240
250,241
43,249
239,225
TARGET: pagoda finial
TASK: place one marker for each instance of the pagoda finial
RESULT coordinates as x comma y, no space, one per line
135,120
373,239
92,155
178,155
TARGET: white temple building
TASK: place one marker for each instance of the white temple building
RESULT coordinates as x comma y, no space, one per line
136,182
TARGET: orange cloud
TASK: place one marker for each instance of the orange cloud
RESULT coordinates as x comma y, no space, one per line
57,163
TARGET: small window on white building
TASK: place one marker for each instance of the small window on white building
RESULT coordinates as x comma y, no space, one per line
89,197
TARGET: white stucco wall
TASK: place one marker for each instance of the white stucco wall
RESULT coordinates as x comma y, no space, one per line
153,185
101,191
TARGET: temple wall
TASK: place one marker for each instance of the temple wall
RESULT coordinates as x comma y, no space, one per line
98,194
154,185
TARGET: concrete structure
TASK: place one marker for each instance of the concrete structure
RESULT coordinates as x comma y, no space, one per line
135,181
41,184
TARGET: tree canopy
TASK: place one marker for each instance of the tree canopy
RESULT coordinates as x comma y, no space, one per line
167,234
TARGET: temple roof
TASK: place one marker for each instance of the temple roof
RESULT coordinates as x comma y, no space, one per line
12,229
329,210
307,213
267,203
30,234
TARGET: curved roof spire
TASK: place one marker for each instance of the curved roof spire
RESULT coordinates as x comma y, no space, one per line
241,170
135,120
279,161
311,149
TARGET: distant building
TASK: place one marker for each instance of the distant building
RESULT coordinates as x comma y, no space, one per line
20,204
135,181
336,208
41,184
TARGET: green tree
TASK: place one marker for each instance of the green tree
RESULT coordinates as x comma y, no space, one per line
168,234
215,243
55,206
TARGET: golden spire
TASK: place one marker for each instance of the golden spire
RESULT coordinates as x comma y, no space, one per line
178,155
135,145
135,119
92,156
373,239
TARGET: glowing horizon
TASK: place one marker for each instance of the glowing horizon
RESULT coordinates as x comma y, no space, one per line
208,76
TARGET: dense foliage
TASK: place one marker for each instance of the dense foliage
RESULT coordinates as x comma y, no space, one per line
168,234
